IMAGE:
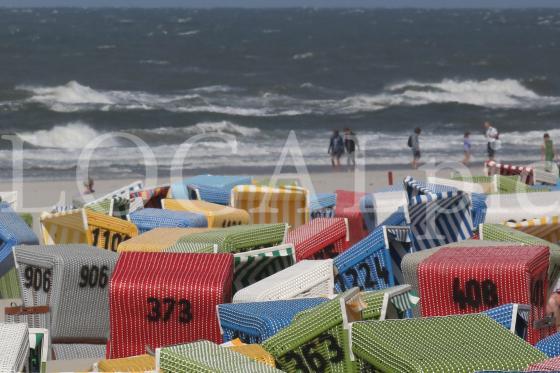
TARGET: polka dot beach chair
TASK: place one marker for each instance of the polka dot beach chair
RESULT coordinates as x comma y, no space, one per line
305,279
207,357
218,216
73,280
64,351
83,226
547,228
348,206
322,205
459,344
273,205
321,238
151,197
550,345
14,344
457,280
157,239
161,299
254,322
210,188
141,363
550,365
148,219
512,316
234,239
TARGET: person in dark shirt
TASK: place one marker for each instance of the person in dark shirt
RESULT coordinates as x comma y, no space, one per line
350,145
336,149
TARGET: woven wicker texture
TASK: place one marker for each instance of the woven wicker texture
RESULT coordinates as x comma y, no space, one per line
157,239
13,231
397,242
214,187
459,344
78,351
305,279
217,195
150,218
321,238
322,205
218,216
272,205
235,239
526,174
348,206
9,284
547,228
366,265
472,279
73,281
14,344
207,357
255,265
257,321
550,345
514,317
160,299
255,352
152,197
479,208
140,363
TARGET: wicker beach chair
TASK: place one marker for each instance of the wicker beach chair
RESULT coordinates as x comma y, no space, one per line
458,280
550,345
549,365
207,357
273,205
218,216
101,204
479,208
322,205
234,239
377,207
34,317
152,197
157,239
547,228
321,238
210,188
148,219
464,185
84,226
255,265
348,206
141,363
254,322
305,279
526,174
255,352
14,344
513,316
453,344
73,281
78,351
160,299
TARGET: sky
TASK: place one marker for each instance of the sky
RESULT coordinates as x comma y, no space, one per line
287,3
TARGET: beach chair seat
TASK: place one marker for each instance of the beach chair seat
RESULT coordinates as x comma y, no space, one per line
150,218
348,207
255,265
74,351
550,345
157,239
141,363
549,365
84,226
234,239
272,205
321,238
161,299
377,207
151,197
305,279
457,280
547,228
217,216
526,174
512,316
322,205
72,280
366,265
14,344
453,344
207,357
255,352
214,183
254,322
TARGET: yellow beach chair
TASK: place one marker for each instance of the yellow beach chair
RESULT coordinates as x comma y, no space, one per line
547,227
218,216
157,239
267,205
86,226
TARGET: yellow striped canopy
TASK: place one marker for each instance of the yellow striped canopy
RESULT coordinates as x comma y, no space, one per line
157,239
218,216
547,227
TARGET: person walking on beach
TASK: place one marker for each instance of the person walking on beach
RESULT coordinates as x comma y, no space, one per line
414,144
493,138
467,146
336,149
350,145
548,153
88,186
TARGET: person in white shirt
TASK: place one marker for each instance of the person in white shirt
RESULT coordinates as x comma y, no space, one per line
492,136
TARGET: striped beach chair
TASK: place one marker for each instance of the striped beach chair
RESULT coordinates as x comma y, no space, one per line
512,316
390,303
322,205
377,207
453,344
526,174
457,280
464,185
161,299
149,218
547,228
72,280
272,205
141,363
255,265
83,226
321,238
305,279
348,206
234,239
479,208
14,344
521,206
151,198
157,239
218,216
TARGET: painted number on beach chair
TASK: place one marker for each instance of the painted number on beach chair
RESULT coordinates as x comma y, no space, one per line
537,292
92,276
475,293
161,310
369,282
315,361
113,238
37,279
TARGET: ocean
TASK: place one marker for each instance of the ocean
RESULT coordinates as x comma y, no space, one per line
164,75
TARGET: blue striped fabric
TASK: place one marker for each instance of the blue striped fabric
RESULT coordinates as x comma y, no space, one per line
13,231
367,208
257,321
415,187
213,194
503,315
479,208
550,345
397,218
398,243
322,205
222,183
367,264
148,219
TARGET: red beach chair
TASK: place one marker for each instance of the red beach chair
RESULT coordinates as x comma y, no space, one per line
321,238
348,206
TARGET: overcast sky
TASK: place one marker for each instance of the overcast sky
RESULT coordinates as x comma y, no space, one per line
289,3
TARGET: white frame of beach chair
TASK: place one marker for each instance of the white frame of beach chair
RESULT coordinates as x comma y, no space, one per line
10,198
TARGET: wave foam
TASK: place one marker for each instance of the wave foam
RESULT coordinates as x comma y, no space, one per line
73,135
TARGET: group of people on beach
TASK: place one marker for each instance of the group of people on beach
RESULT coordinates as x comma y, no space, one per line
343,144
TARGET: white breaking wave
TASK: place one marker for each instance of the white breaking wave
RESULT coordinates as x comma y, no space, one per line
303,56
73,135
188,33
70,93
204,127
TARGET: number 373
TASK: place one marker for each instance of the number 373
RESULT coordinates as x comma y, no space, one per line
163,309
